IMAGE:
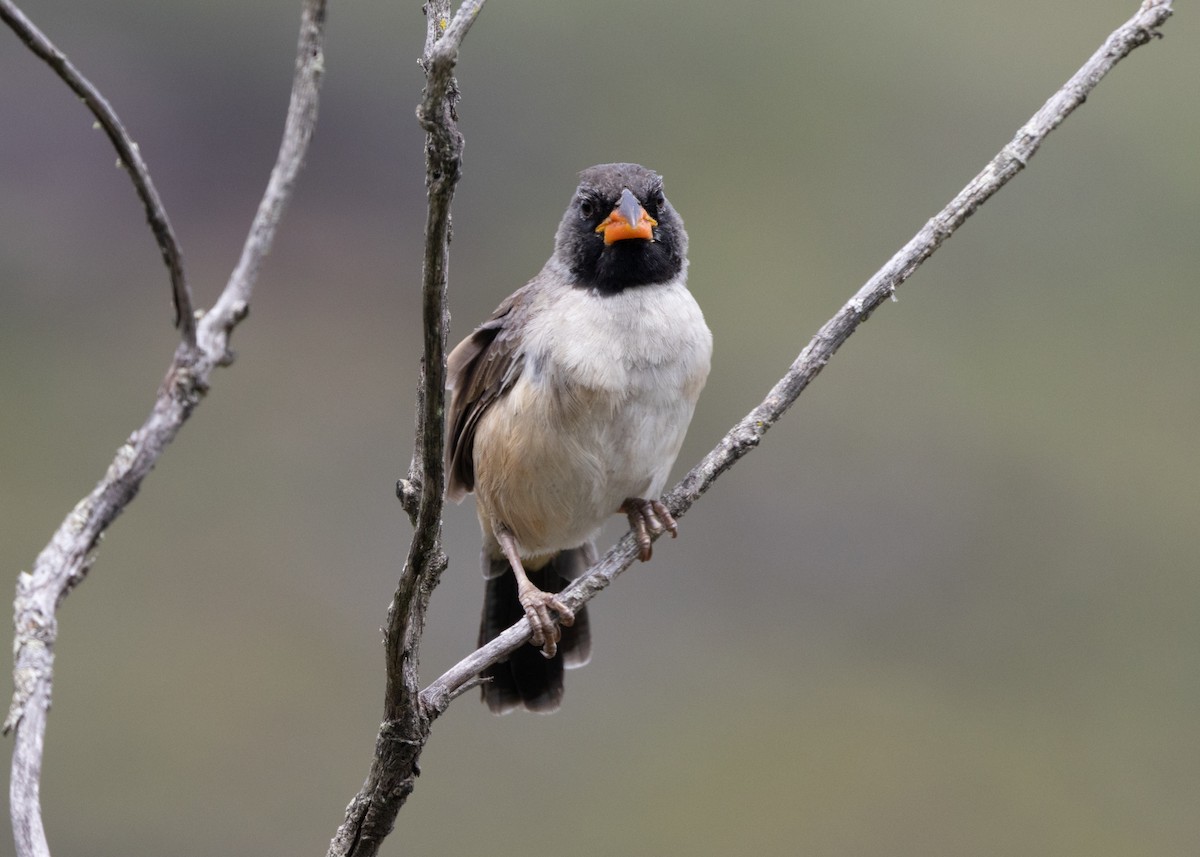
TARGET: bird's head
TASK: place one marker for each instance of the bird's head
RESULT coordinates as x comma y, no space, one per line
620,231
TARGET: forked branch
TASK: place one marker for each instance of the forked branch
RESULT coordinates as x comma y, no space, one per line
65,561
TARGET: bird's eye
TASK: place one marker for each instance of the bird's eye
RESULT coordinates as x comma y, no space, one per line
586,209
657,199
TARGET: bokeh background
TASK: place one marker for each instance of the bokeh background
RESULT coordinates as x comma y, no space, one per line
949,606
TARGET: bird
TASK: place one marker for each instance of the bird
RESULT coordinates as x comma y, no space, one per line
568,405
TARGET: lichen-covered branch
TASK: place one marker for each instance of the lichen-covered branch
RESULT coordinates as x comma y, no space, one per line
65,561
748,432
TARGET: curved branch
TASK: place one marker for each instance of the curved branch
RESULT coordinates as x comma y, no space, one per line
64,562
748,432
128,152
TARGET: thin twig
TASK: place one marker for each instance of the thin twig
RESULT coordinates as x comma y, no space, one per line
128,152
65,561
748,432
231,307
405,729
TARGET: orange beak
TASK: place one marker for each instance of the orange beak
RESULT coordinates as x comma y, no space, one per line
627,220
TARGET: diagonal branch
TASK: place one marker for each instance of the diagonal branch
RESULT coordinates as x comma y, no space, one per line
64,562
128,152
748,432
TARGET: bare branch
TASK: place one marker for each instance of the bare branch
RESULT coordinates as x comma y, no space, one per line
65,561
443,160
748,432
128,152
405,729
231,307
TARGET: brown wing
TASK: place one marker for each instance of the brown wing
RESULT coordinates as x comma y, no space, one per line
480,369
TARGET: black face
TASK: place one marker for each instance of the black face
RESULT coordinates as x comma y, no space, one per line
630,262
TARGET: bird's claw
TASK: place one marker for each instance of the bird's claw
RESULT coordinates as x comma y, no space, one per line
546,632
646,518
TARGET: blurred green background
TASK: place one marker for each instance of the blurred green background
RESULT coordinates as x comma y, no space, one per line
949,607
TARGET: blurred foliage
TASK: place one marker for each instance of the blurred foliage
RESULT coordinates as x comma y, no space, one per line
947,608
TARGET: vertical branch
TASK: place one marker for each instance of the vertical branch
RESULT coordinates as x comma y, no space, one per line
443,157
128,152
437,114
405,729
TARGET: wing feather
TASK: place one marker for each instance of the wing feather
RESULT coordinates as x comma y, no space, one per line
481,369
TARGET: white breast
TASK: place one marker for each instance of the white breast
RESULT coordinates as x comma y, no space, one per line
650,336
608,388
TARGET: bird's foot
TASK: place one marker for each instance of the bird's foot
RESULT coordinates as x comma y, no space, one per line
538,606
536,603
646,518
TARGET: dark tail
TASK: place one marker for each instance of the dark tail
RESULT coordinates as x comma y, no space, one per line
526,679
